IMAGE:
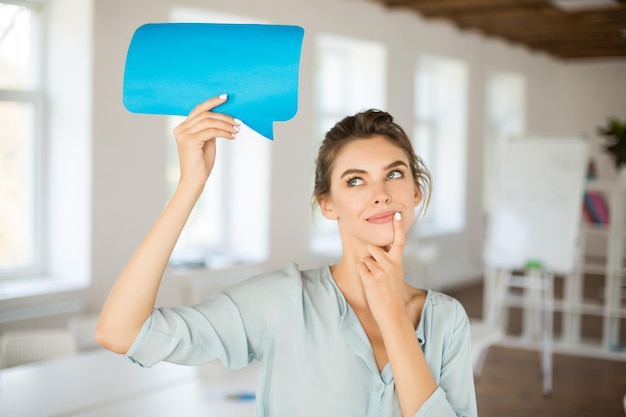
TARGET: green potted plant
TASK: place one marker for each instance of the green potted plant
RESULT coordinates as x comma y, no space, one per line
615,133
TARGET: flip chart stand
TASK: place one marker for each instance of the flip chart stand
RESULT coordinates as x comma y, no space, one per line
537,302
532,234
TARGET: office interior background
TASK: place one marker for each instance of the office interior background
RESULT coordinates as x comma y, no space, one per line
95,176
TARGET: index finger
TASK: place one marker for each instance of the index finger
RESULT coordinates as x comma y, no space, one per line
399,239
208,105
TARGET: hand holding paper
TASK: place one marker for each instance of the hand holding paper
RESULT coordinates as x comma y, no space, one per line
171,67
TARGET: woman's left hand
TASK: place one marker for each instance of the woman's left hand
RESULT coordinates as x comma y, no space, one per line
382,274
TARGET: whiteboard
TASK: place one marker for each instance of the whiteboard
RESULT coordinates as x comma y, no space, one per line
538,206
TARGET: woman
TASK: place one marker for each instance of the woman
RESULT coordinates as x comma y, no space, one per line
351,339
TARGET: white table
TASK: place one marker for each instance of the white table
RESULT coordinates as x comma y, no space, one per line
100,383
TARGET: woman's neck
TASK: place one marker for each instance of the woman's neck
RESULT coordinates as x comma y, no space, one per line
349,282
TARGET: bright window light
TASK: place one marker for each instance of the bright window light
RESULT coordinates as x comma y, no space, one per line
351,76
505,120
230,223
440,139
20,193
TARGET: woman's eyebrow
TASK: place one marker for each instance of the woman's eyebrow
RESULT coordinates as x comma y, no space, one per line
396,164
353,171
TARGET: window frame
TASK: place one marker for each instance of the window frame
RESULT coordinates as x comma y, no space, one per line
227,249
434,223
324,234
496,134
35,96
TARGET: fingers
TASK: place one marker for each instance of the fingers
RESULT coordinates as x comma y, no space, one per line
384,259
377,254
399,237
204,124
208,105
216,125
372,264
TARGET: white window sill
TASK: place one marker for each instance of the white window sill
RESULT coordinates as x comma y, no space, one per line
16,294
35,286
197,283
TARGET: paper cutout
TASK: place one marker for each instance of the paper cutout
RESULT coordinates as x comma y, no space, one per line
172,67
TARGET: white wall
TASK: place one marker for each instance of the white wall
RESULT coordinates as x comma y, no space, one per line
128,190
128,151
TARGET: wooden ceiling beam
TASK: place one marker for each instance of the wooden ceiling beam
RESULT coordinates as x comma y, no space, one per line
459,4
579,36
579,44
534,23
551,18
539,24
580,52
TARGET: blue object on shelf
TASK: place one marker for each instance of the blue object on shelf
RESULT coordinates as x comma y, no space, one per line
241,396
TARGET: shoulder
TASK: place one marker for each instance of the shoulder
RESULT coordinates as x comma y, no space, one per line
278,282
445,309
285,283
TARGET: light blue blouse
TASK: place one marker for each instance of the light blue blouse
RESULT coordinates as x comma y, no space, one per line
315,358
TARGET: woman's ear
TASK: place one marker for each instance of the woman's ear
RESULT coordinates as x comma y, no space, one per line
327,208
417,198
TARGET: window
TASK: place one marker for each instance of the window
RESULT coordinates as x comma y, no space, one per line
230,223
45,146
21,94
350,77
439,137
505,119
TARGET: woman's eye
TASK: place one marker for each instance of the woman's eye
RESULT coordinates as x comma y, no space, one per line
354,181
395,174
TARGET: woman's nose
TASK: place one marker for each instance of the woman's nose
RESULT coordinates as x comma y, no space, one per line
381,197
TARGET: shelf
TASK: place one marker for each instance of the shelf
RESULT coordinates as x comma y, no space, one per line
605,185
606,261
605,229
595,228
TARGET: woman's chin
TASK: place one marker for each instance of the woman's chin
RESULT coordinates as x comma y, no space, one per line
384,243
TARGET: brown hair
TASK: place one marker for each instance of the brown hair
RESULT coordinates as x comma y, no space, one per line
364,125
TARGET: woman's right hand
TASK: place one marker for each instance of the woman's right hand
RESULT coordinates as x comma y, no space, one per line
195,139
133,296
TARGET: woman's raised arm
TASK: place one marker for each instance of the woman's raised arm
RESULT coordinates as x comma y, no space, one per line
133,295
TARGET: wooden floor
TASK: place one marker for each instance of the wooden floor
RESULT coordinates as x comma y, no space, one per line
511,382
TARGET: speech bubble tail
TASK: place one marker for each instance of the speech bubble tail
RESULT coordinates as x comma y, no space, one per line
265,130
247,133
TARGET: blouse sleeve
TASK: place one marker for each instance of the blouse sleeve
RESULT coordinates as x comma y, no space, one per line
233,326
455,395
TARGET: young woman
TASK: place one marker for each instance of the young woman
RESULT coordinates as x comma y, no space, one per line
351,339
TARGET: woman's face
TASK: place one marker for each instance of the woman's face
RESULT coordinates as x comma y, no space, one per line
370,181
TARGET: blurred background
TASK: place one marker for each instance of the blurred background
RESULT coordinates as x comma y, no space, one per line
82,180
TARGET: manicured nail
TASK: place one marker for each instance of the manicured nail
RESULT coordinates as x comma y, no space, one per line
398,216
223,96
236,128
238,121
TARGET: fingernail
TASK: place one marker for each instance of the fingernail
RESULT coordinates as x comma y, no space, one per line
223,96
398,216
236,128
238,121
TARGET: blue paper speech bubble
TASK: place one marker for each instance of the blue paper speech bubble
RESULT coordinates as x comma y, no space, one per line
172,67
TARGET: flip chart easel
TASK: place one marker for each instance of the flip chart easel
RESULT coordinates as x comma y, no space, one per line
538,205
534,228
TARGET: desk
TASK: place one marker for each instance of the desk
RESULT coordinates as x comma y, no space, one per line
100,383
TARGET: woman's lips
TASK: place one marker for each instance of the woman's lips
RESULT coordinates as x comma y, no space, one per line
382,218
